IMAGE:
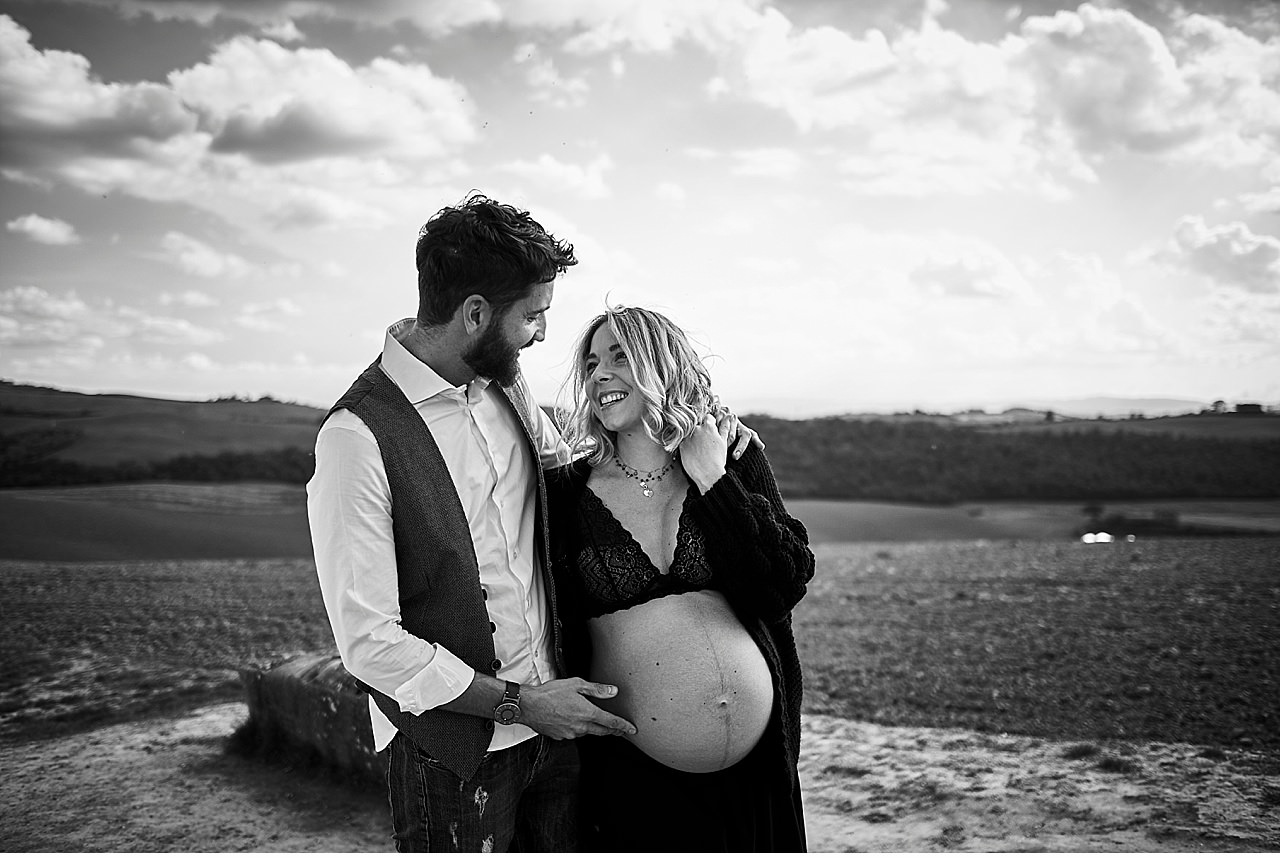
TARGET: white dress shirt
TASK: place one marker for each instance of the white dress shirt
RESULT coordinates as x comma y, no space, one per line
349,509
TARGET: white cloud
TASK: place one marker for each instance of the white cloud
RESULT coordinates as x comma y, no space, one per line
1230,256
188,298
260,133
166,330
274,103
283,31
585,180
1205,92
546,81
32,302
670,192
195,257
53,108
435,17
66,324
197,361
1093,315
934,111
918,268
44,230
268,316
1264,202
774,162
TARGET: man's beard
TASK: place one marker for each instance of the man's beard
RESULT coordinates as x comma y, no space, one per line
493,357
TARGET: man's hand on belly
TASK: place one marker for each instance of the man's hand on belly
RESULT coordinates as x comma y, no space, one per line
562,709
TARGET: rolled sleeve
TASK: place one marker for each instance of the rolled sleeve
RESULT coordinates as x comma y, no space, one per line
349,511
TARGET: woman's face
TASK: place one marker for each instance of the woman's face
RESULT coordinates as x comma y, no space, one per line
610,386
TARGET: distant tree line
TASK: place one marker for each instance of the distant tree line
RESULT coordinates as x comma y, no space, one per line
910,461
27,459
926,462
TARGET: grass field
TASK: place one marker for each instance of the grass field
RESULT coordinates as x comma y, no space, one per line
1162,639
154,521
1261,427
170,521
1171,640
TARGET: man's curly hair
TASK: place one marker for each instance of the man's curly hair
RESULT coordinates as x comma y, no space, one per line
487,248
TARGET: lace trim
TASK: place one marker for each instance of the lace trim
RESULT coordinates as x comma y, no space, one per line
617,574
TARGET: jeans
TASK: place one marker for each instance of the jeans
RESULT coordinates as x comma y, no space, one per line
522,799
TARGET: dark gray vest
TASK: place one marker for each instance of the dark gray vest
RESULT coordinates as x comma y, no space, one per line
439,579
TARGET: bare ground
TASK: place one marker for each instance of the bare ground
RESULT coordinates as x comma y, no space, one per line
168,785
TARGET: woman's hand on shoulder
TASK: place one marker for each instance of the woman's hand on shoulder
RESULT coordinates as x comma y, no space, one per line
741,436
704,452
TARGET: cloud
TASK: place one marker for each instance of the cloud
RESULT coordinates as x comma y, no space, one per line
670,192
44,230
965,277
35,318
1264,202
1267,201
268,316
188,298
283,31
774,162
197,361
931,110
260,133
52,108
918,268
307,207
436,17
584,180
274,103
546,81
1205,91
31,318
1093,314
196,257
32,302
166,330
1230,256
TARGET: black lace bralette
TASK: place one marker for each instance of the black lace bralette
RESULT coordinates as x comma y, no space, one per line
616,573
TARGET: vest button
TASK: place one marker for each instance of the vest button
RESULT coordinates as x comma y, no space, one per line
496,663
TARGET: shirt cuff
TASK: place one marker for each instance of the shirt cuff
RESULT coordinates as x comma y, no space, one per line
446,677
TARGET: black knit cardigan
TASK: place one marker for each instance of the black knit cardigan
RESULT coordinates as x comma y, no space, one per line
760,561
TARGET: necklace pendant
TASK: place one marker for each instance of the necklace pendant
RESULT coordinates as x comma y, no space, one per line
648,492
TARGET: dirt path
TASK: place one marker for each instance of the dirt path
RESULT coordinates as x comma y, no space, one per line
166,785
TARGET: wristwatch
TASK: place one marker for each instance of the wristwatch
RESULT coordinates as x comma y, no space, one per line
508,711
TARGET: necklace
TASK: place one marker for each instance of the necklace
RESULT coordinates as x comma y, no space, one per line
647,477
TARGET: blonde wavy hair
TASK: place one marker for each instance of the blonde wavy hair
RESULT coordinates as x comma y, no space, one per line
673,384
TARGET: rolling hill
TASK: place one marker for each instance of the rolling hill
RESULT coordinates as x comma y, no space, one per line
200,483
113,428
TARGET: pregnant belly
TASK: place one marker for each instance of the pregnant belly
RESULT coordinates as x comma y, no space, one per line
689,677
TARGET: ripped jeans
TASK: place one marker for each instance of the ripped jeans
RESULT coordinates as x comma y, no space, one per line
522,799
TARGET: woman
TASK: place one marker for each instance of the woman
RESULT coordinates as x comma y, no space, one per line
676,569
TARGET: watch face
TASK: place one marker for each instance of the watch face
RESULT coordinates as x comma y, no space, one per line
506,713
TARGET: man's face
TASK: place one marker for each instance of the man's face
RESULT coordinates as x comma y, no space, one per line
496,354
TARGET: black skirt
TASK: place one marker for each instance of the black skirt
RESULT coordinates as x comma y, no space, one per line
633,804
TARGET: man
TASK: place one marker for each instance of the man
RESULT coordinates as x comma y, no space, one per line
442,608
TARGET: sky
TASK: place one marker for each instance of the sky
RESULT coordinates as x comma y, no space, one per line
872,206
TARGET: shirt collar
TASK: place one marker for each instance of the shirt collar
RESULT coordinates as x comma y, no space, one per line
418,381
